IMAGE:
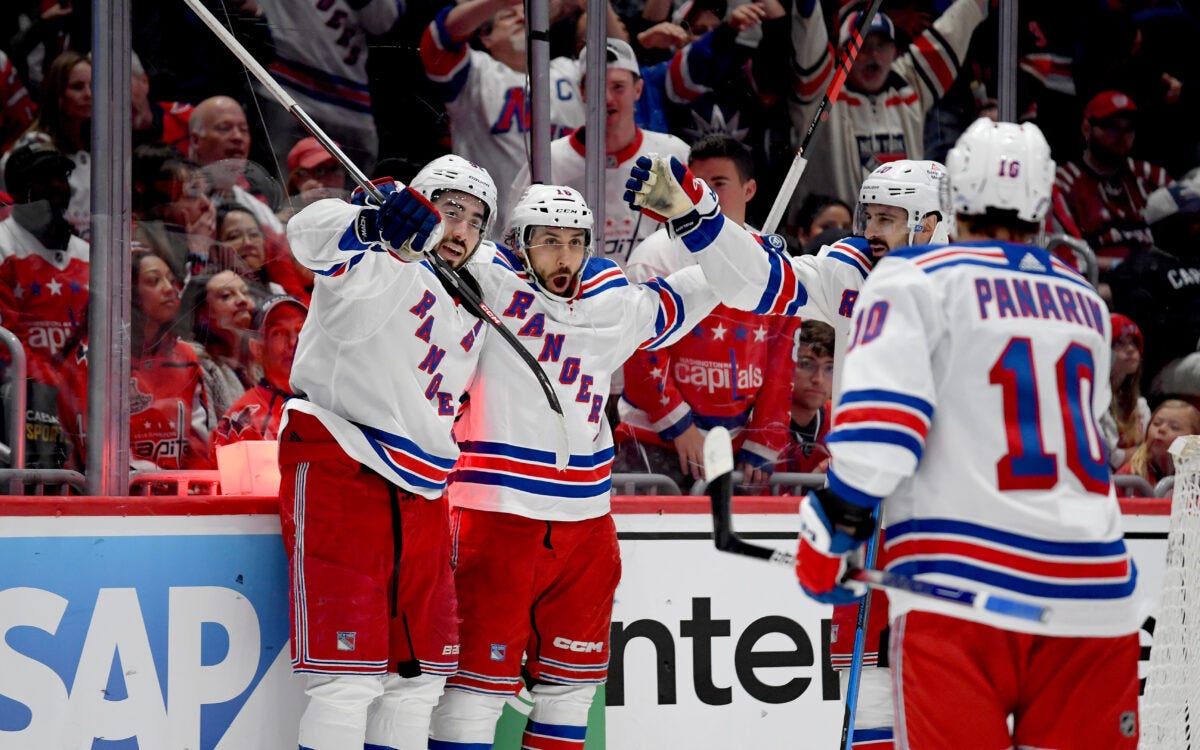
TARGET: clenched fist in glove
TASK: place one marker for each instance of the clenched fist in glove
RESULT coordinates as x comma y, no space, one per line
826,545
403,224
667,191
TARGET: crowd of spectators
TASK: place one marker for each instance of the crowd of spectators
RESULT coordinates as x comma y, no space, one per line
218,168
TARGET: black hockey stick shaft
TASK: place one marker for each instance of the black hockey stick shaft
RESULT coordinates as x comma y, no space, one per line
469,298
718,468
845,62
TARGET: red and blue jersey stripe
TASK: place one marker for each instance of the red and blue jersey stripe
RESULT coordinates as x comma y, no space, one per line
417,468
1030,566
533,471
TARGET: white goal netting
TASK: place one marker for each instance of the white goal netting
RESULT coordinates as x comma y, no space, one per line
1170,707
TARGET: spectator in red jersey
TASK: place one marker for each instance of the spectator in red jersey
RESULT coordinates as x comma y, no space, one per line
18,110
1100,198
167,409
156,122
65,120
44,272
812,387
1171,419
1123,427
256,415
725,373
219,308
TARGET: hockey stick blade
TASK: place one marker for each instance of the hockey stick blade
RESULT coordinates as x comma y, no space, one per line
441,268
718,471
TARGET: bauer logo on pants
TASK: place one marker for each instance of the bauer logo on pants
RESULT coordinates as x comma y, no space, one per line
345,640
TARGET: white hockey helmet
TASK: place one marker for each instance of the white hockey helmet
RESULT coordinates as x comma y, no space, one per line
917,187
548,206
1001,165
452,172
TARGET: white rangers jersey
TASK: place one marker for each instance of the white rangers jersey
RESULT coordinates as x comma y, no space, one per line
321,54
507,433
866,130
624,227
489,104
972,386
385,353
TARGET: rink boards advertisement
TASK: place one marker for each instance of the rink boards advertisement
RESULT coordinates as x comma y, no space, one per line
162,624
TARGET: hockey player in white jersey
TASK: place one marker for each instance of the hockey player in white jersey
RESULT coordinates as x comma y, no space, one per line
900,204
535,550
972,385
365,449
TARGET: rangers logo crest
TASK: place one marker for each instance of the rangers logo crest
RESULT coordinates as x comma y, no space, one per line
498,651
345,640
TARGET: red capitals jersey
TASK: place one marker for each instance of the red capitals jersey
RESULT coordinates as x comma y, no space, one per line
168,411
18,110
43,295
725,372
254,416
1106,212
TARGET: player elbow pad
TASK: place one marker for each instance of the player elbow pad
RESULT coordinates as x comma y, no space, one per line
842,513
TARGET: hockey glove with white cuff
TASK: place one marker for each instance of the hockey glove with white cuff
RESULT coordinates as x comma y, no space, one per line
667,191
403,224
826,547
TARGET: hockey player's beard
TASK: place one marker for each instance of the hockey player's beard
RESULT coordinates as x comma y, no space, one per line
879,248
560,282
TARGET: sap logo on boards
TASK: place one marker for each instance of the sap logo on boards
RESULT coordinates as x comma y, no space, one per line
138,642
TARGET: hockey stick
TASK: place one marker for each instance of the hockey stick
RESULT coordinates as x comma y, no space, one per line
470,299
860,644
718,470
796,170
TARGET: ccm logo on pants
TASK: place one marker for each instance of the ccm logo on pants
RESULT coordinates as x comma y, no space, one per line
583,647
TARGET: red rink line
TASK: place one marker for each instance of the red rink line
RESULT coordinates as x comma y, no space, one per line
227,505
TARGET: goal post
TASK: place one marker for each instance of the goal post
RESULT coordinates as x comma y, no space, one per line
1170,707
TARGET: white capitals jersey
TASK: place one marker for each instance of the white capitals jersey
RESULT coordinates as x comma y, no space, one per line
506,432
385,353
973,382
624,227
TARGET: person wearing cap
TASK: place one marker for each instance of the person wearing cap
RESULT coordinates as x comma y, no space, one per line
1123,426
624,142
44,274
1100,197
487,94
879,115
310,166
1160,289
272,342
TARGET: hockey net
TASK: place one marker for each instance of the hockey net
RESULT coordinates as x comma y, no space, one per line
1170,707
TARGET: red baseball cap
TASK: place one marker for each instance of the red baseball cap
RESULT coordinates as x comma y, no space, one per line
1123,326
1108,103
306,154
